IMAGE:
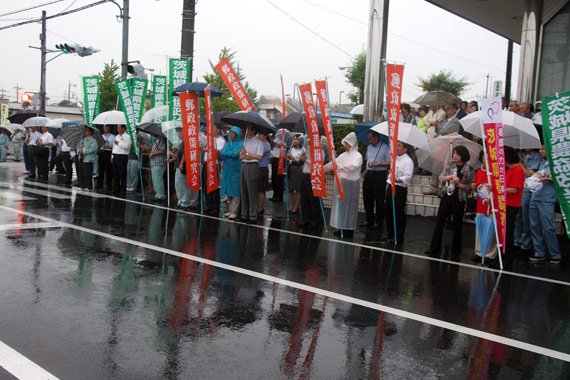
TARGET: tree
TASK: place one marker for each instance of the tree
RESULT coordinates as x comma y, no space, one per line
107,90
226,102
445,80
355,75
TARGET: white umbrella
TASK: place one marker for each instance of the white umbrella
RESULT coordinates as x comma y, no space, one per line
437,153
14,126
36,121
358,110
537,118
407,133
56,123
110,118
155,115
6,129
519,132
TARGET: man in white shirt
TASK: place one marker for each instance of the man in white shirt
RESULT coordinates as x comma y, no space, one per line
42,153
104,160
404,170
251,154
120,159
32,142
212,199
63,161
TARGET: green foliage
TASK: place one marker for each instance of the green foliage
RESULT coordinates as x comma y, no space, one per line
107,90
445,80
355,75
226,102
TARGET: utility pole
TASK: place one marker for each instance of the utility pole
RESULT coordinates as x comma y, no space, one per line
3,91
69,92
187,44
487,87
125,56
43,64
509,70
17,92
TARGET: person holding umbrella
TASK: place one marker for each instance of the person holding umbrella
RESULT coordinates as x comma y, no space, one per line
230,185
32,142
104,163
133,163
374,184
251,154
263,183
42,153
157,158
180,182
277,180
295,173
3,142
17,141
120,159
87,154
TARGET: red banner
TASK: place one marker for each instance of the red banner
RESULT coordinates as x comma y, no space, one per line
191,128
281,162
317,170
231,79
493,126
323,97
211,168
394,77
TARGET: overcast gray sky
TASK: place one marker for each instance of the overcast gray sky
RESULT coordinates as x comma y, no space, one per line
267,42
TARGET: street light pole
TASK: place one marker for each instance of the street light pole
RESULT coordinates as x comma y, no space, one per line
43,64
125,55
339,95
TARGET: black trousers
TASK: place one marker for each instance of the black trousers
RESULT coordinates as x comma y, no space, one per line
31,160
400,207
63,163
41,160
105,168
120,163
310,205
373,194
277,180
448,203
212,199
509,255
53,156
84,173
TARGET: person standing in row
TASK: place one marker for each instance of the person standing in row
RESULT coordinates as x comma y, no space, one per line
32,142
17,141
180,181
157,158
263,183
87,155
42,153
230,184
4,139
295,173
120,159
212,199
104,163
374,185
251,154
310,205
277,180
63,161
133,163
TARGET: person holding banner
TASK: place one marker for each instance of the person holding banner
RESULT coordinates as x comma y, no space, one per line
180,182
310,205
133,163
157,158
295,173
263,184
231,162
481,185
212,199
251,154
374,184
277,180
104,164
120,159
455,184
348,166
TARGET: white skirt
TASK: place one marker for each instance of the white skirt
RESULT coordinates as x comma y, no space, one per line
348,206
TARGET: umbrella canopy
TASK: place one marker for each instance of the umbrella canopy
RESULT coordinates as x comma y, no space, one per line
244,118
519,132
438,152
361,131
23,115
36,121
56,123
198,87
437,98
288,137
407,133
110,118
153,129
486,229
13,126
74,133
8,131
537,118
217,118
155,115
358,110
294,122
170,124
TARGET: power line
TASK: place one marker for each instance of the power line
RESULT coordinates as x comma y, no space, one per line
30,8
310,30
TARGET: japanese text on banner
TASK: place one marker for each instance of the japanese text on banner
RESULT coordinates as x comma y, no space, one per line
158,92
321,87
394,80
138,94
124,92
317,170
191,128
231,79
91,98
211,169
179,73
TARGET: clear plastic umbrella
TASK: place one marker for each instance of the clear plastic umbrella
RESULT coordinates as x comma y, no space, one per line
437,153
36,121
56,123
110,118
407,133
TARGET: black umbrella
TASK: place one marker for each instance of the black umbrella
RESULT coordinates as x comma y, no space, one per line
294,123
217,118
74,133
153,129
23,115
243,119
198,87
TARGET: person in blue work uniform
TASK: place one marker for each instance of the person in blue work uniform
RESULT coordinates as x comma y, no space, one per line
374,185
542,216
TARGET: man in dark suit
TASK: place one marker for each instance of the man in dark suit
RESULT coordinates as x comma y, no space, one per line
462,111
451,124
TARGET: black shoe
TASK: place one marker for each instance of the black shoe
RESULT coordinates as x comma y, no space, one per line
536,259
243,220
367,224
252,221
554,261
476,259
494,264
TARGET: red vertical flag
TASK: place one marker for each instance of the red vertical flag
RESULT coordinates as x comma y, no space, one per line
394,77
228,74
191,127
317,170
212,169
323,97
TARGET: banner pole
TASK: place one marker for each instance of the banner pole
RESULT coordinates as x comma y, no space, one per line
221,199
200,156
287,190
340,216
139,160
333,158
392,168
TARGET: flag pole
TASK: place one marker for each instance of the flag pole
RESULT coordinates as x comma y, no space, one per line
333,158
392,164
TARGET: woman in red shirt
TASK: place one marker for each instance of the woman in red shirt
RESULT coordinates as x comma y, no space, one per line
515,185
483,208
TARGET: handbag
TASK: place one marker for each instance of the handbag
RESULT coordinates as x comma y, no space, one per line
471,205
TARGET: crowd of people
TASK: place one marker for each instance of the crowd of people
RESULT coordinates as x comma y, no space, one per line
243,158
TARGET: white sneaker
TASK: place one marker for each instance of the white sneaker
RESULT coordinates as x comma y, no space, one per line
227,214
233,217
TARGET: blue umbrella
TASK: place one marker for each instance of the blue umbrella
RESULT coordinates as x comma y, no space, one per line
480,297
198,87
362,129
486,230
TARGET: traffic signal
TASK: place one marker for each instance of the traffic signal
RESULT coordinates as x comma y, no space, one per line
137,70
68,48
85,51
26,100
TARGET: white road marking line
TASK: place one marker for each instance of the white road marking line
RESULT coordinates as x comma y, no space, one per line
20,366
325,293
24,226
49,194
325,238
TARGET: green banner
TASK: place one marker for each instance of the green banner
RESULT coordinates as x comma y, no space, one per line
123,90
179,73
138,89
90,98
556,133
158,91
4,114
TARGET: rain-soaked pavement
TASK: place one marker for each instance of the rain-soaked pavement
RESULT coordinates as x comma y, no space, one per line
99,287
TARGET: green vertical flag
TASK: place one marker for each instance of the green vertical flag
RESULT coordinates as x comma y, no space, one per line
138,89
124,92
158,91
179,73
90,98
556,133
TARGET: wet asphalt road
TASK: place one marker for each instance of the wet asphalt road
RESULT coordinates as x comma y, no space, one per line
97,287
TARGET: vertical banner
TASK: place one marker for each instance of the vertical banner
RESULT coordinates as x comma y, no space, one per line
556,133
190,128
138,89
158,91
281,162
317,170
90,98
124,92
493,128
394,80
211,169
4,114
179,73
323,97
231,79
